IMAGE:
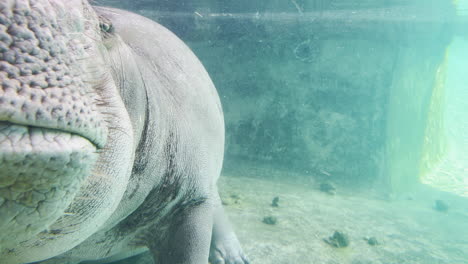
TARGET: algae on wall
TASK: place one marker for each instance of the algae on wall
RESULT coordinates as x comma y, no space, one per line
298,96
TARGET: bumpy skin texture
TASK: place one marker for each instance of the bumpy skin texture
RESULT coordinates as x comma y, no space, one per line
111,140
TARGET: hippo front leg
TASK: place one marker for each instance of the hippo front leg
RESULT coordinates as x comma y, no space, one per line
225,247
189,240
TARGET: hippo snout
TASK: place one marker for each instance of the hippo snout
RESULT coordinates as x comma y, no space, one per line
51,128
44,79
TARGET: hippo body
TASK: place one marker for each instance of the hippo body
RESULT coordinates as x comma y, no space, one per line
111,140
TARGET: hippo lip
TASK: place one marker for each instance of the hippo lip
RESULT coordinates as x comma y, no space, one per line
38,126
14,129
54,149
95,142
42,170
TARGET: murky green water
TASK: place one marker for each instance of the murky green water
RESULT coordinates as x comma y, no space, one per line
368,96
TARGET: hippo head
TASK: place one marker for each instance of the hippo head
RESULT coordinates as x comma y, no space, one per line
65,137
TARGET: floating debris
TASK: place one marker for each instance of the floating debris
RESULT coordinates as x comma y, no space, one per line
441,206
275,202
232,199
338,240
371,241
270,220
327,188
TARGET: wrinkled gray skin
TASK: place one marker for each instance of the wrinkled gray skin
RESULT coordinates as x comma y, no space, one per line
111,140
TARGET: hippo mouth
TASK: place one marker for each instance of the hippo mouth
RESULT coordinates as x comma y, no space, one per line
41,172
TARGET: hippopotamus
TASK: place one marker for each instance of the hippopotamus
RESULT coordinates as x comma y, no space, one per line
111,140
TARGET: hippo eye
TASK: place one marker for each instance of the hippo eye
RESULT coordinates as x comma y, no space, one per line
106,27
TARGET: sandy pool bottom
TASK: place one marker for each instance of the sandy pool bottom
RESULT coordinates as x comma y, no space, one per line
408,229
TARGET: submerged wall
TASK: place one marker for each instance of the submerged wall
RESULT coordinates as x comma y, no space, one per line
413,116
326,88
